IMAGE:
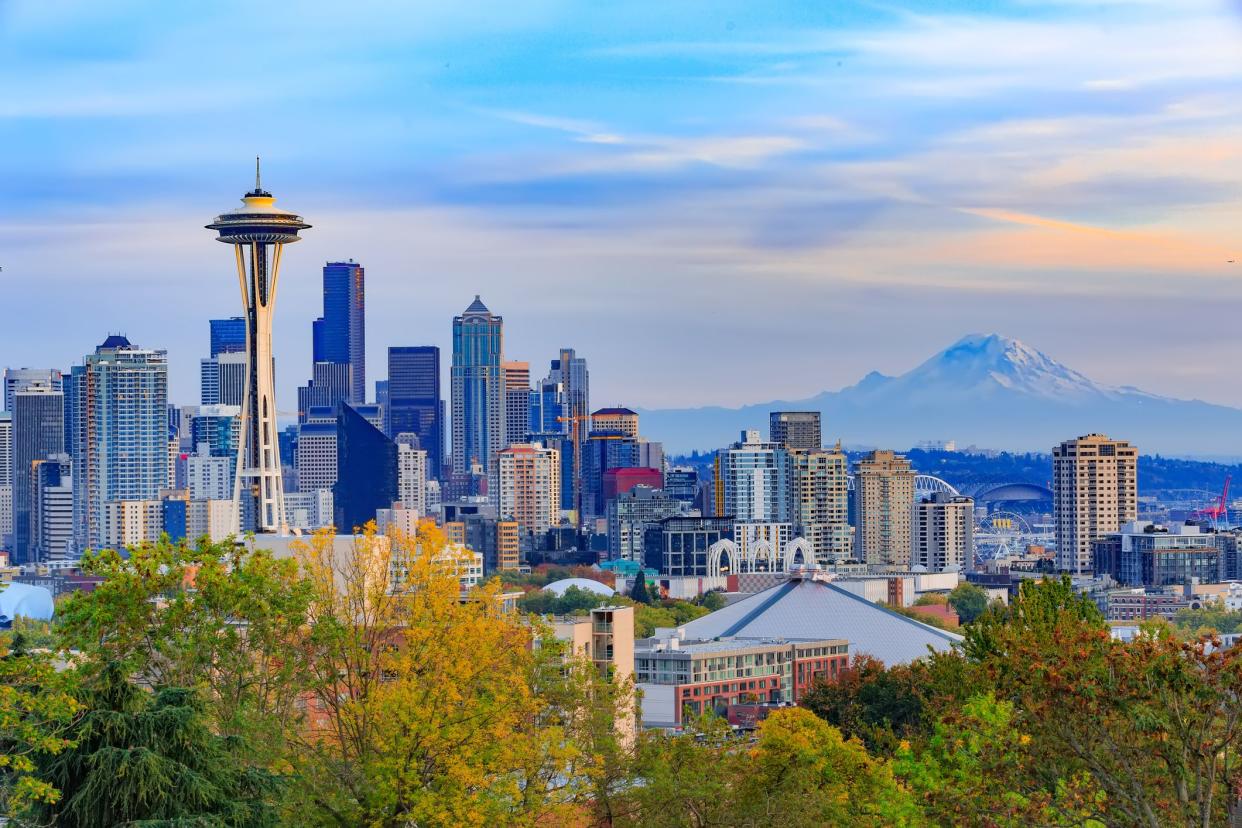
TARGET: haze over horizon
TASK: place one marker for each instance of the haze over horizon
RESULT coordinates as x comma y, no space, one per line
686,197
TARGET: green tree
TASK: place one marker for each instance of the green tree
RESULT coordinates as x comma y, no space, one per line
879,706
639,592
969,601
712,600
138,757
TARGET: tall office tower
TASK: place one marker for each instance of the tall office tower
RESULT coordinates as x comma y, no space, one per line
381,399
366,462
331,383
478,389
51,509
517,401
615,419
316,456
415,405
944,533
884,498
340,334
222,379
15,379
604,451
575,380
795,430
530,487
411,474
821,502
6,480
547,406
1094,491
228,336
755,479
217,428
259,232
121,453
38,432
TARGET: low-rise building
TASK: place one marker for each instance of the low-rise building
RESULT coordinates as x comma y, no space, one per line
1148,554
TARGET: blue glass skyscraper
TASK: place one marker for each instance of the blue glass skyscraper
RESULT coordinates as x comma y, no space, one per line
228,336
415,405
478,389
366,470
339,335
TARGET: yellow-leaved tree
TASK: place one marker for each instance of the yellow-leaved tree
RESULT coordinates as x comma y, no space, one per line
430,704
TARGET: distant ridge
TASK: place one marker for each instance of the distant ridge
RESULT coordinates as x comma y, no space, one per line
985,389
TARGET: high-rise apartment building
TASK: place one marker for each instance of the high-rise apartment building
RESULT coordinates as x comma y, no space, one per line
796,430
415,405
411,475
120,403
821,502
755,477
943,527
884,499
530,487
517,401
38,432
51,509
1094,491
478,389
339,336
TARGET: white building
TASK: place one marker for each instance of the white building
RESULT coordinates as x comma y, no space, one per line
943,533
411,474
209,478
756,479
308,511
217,519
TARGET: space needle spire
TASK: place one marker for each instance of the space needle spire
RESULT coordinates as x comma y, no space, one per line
258,231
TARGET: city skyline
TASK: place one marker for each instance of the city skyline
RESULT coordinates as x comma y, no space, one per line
687,176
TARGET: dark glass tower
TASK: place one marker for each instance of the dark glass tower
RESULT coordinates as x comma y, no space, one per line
366,470
228,336
38,431
414,402
478,384
339,335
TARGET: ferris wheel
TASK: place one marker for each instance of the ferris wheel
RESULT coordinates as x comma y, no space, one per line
1002,534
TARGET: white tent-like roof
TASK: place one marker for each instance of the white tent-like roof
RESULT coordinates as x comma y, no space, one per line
560,586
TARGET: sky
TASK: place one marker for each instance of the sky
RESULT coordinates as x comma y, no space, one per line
714,203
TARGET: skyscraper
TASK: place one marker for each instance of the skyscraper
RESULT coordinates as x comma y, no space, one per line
6,480
366,461
517,401
228,336
38,432
411,474
796,430
415,405
15,379
1094,491
331,383
755,479
340,334
121,451
530,487
259,231
623,420
478,389
821,502
884,495
51,509
222,375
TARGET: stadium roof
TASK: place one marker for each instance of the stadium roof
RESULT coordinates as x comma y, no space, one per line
813,608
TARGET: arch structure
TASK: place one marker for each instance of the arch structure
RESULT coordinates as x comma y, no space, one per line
926,484
760,556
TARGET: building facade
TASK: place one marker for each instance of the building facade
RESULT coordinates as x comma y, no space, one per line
478,389
943,527
678,546
821,508
339,336
884,499
796,430
38,433
1094,491
366,463
754,481
629,516
517,401
530,486
415,404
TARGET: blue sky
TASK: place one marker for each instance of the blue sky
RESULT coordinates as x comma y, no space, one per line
713,202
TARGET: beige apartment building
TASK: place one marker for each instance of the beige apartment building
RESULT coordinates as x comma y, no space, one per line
821,502
1094,491
883,500
530,486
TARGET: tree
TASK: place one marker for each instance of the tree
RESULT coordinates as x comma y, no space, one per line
879,706
427,706
36,709
138,757
968,601
639,590
214,617
712,600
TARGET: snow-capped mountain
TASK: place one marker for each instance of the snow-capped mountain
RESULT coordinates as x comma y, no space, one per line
987,390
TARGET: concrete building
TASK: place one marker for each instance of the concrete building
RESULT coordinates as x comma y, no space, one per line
18,379
51,512
820,508
1094,491
884,499
411,474
309,511
316,456
530,486
217,519
678,546
629,516
621,420
209,478
796,430
767,541
943,529
1146,554
605,636
680,677
517,401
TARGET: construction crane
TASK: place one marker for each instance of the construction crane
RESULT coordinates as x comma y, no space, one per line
575,430
1220,510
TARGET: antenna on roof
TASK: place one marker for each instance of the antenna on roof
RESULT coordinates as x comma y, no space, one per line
256,174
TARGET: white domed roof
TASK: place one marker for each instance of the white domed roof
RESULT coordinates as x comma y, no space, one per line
26,600
560,586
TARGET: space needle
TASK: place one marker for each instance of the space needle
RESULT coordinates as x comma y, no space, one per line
259,231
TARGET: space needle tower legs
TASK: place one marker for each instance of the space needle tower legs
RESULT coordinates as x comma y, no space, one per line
258,231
